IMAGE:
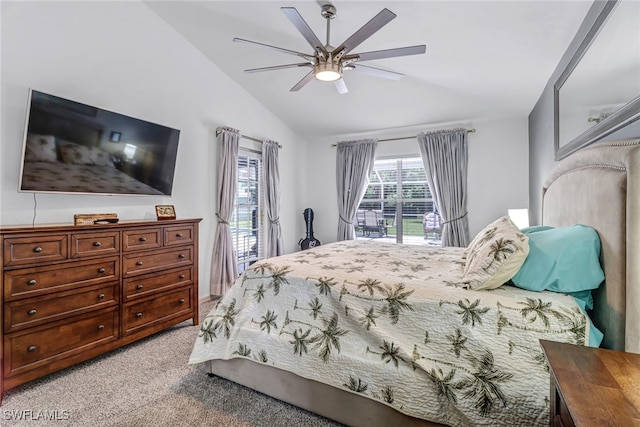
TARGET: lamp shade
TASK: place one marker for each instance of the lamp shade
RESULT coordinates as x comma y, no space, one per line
520,217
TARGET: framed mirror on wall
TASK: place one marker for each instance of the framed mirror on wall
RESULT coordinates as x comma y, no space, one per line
599,90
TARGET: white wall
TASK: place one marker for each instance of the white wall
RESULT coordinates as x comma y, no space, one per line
497,175
121,56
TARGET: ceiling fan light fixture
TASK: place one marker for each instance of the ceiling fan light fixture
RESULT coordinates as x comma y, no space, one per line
328,71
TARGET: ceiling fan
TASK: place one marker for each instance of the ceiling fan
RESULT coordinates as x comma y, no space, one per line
328,63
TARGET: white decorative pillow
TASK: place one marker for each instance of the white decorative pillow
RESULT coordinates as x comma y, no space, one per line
40,148
100,157
76,154
474,242
495,255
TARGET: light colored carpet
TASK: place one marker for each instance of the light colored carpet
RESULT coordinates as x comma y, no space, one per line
147,383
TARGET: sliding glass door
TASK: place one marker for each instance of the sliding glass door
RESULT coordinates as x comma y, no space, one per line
398,205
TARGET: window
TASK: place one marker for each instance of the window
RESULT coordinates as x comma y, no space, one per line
398,205
245,221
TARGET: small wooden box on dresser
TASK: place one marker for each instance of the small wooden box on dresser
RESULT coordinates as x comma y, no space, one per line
72,292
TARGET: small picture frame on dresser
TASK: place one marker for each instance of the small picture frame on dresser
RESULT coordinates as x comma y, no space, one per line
165,212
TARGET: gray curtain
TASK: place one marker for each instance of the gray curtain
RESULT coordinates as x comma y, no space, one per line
445,157
224,268
275,245
354,163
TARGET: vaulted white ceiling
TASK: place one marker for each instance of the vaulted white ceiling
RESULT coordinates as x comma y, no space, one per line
484,59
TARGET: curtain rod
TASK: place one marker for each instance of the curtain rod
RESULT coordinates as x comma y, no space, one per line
405,137
219,130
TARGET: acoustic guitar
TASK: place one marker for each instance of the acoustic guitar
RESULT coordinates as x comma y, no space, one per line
309,241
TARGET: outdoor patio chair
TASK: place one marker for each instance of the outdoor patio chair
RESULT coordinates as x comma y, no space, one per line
432,225
373,222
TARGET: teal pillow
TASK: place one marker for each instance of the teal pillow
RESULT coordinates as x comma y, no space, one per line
562,259
536,228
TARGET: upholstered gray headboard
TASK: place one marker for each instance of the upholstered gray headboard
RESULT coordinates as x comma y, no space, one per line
599,186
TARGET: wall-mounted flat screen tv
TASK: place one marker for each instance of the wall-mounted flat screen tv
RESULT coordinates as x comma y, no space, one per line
70,147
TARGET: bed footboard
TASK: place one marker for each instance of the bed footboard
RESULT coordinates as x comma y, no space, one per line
330,402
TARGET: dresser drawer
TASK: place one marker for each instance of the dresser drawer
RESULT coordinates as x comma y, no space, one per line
36,311
37,249
147,238
164,306
142,286
28,350
28,282
178,235
146,262
92,244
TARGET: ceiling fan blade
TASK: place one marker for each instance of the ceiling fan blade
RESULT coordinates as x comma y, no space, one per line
341,86
372,71
306,79
278,67
301,25
387,53
380,20
279,49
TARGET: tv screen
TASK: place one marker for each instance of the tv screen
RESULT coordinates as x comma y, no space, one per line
71,147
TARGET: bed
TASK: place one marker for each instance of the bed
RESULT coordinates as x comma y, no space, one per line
365,342
81,178
79,165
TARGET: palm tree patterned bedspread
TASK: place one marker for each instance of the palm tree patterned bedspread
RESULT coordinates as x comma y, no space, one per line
393,323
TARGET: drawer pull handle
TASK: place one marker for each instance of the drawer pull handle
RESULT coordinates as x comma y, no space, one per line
31,349
143,239
181,256
181,301
97,244
138,315
32,312
139,263
179,235
100,327
182,276
101,270
31,282
139,287
38,249
101,296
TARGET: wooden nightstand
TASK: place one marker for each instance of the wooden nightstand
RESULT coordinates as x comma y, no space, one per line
592,386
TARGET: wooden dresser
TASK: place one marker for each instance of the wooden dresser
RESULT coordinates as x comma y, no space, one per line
592,386
70,293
